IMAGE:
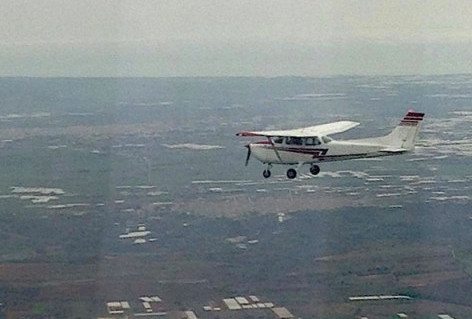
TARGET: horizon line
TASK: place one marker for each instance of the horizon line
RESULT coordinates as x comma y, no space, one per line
224,76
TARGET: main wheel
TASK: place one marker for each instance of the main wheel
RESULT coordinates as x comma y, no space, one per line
291,173
314,169
266,173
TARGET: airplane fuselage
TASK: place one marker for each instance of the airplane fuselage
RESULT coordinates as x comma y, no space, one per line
326,152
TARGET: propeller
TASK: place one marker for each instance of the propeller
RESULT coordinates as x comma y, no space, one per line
248,153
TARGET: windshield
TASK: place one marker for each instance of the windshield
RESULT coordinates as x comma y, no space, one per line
278,140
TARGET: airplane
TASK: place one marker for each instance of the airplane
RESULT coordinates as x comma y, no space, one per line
311,145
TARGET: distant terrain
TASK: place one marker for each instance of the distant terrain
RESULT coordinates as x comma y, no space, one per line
85,160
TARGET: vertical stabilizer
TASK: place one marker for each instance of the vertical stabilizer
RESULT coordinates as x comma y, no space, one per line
404,135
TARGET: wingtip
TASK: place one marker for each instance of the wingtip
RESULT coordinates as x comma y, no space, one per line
245,133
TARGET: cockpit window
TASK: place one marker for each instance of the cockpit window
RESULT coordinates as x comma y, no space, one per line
278,140
326,139
310,141
294,141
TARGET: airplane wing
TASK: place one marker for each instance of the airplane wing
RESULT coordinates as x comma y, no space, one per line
322,129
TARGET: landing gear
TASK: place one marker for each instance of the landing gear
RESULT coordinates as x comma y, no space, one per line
266,173
291,173
314,169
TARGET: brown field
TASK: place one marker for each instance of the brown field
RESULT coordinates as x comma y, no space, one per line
321,290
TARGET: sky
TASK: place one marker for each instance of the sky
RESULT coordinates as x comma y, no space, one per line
234,37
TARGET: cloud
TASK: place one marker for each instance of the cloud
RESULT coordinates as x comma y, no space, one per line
234,37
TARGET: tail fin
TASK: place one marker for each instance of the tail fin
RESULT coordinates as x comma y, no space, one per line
404,135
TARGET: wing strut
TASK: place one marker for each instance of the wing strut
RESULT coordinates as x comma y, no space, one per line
274,148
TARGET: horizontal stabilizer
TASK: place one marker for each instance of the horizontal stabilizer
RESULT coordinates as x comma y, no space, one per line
394,150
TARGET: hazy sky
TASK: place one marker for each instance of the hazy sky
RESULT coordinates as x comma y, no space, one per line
234,37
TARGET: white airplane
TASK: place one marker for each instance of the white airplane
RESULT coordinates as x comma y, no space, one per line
311,145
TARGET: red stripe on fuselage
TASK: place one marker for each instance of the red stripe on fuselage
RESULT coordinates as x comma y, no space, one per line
319,151
417,114
313,151
413,118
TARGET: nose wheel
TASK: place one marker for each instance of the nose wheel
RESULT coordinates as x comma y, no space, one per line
314,169
291,173
266,173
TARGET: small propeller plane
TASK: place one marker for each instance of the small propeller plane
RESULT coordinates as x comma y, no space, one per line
311,145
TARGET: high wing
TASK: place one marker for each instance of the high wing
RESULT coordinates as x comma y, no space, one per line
322,129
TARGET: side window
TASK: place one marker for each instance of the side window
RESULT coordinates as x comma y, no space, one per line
278,140
326,139
311,141
294,141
